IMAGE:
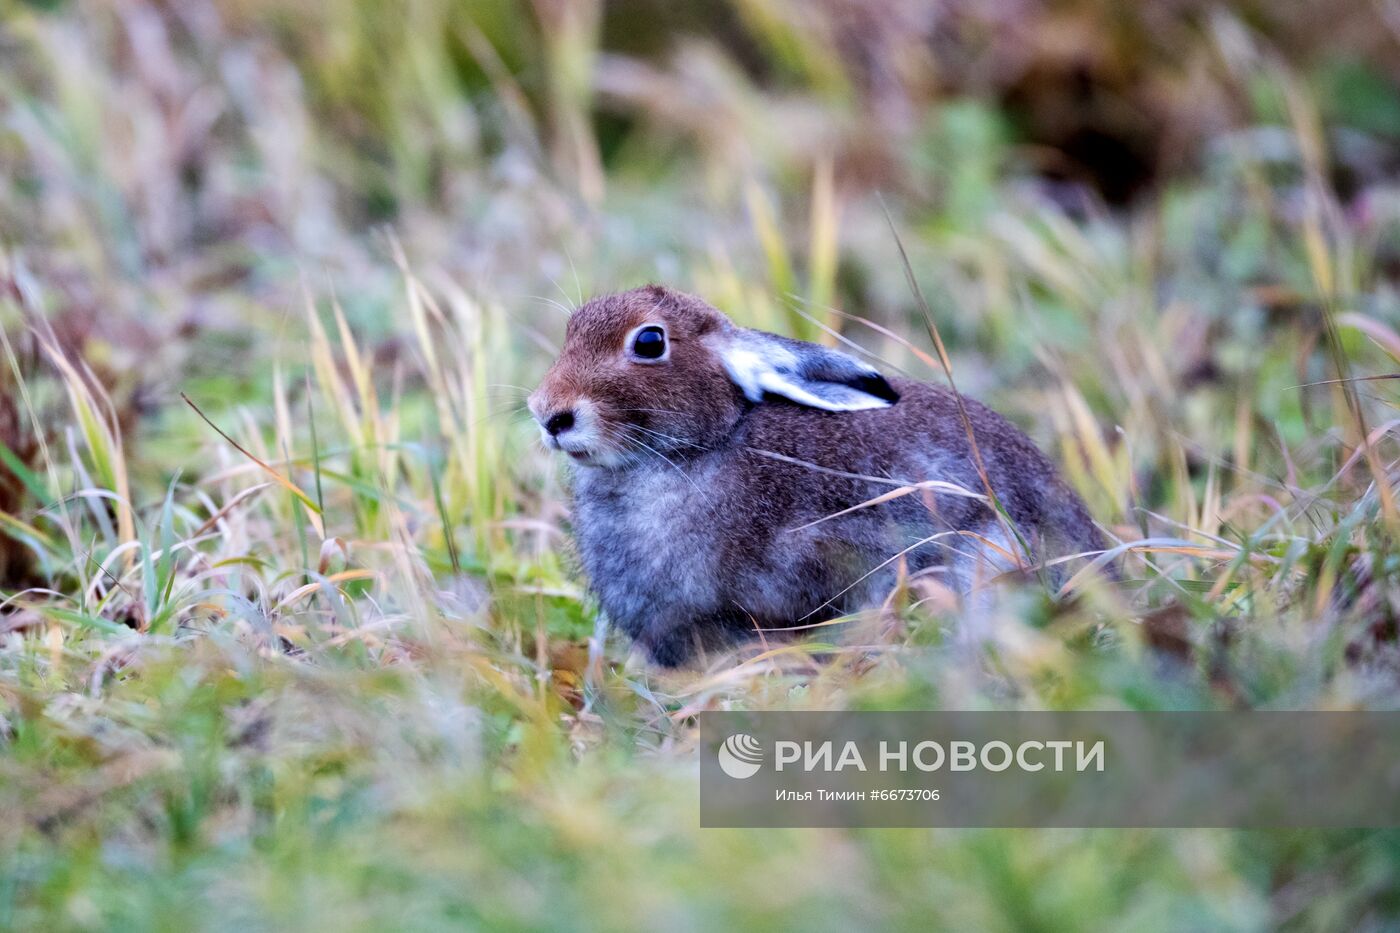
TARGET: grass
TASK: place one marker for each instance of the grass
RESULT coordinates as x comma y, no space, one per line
312,649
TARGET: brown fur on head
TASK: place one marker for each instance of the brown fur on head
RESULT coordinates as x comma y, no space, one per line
653,371
607,402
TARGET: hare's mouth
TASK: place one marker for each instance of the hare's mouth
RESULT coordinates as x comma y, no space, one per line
600,456
578,454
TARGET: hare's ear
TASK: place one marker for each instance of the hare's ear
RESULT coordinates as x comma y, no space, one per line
804,373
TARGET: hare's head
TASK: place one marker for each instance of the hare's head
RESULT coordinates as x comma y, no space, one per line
653,371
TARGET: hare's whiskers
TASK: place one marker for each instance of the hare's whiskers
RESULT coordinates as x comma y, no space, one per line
637,440
663,436
661,411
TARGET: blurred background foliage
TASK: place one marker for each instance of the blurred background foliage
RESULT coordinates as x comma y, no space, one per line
313,650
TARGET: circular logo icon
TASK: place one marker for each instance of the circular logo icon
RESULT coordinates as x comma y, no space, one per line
740,756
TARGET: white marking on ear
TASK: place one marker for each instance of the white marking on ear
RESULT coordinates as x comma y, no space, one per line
746,368
804,373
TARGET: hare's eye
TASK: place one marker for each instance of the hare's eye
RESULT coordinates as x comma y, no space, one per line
650,343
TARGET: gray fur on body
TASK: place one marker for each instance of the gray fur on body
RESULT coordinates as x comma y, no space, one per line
661,541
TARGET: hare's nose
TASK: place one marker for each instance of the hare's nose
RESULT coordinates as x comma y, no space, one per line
559,422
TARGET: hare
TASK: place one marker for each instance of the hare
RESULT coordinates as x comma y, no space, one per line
725,476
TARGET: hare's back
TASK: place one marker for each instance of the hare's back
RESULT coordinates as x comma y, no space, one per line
927,435
923,432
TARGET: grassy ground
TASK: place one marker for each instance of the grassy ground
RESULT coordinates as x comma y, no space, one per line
290,634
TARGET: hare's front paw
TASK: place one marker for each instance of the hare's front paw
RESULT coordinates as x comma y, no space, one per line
682,644
674,649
